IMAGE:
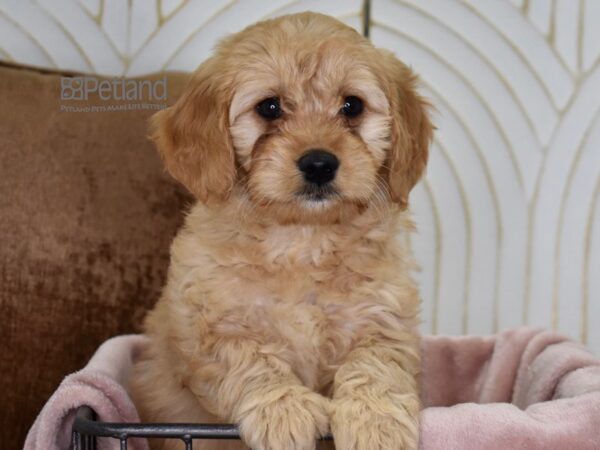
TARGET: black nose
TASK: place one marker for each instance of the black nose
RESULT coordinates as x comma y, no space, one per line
318,166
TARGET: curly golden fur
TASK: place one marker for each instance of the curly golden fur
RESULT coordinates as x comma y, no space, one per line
283,313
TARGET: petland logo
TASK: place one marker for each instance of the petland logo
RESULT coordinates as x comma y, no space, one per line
123,94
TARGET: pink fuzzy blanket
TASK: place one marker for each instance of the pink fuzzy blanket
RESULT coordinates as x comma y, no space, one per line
521,389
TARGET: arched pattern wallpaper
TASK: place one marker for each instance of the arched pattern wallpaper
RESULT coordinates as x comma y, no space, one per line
509,213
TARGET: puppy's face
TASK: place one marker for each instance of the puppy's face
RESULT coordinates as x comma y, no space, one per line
301,115
311,126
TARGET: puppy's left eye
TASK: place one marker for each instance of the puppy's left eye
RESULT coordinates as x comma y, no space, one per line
269,108
353,106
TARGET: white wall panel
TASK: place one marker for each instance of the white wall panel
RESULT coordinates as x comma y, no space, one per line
521,82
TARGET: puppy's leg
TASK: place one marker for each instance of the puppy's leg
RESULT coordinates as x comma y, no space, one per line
250,387
160,397
376,401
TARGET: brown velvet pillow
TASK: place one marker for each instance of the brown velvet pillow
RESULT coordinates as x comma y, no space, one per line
87,214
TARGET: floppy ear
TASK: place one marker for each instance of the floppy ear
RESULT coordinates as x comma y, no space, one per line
193,138
412,130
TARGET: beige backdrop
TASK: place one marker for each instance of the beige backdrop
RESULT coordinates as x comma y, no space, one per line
509,214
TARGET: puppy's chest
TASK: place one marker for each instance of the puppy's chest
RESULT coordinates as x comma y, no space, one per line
301,296
311,315
302,321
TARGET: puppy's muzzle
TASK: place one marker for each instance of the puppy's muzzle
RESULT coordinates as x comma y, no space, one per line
318,167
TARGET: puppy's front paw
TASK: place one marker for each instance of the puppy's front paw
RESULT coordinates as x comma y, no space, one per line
290,418
376,423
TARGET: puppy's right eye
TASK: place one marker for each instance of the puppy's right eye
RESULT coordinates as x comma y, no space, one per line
269,108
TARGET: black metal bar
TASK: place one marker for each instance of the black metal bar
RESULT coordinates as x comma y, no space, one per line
366,18
75,440
85,426
163,430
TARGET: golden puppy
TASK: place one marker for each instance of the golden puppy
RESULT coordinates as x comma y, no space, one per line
289,307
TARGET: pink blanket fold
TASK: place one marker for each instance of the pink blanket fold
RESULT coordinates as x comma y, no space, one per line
521,389
99,385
